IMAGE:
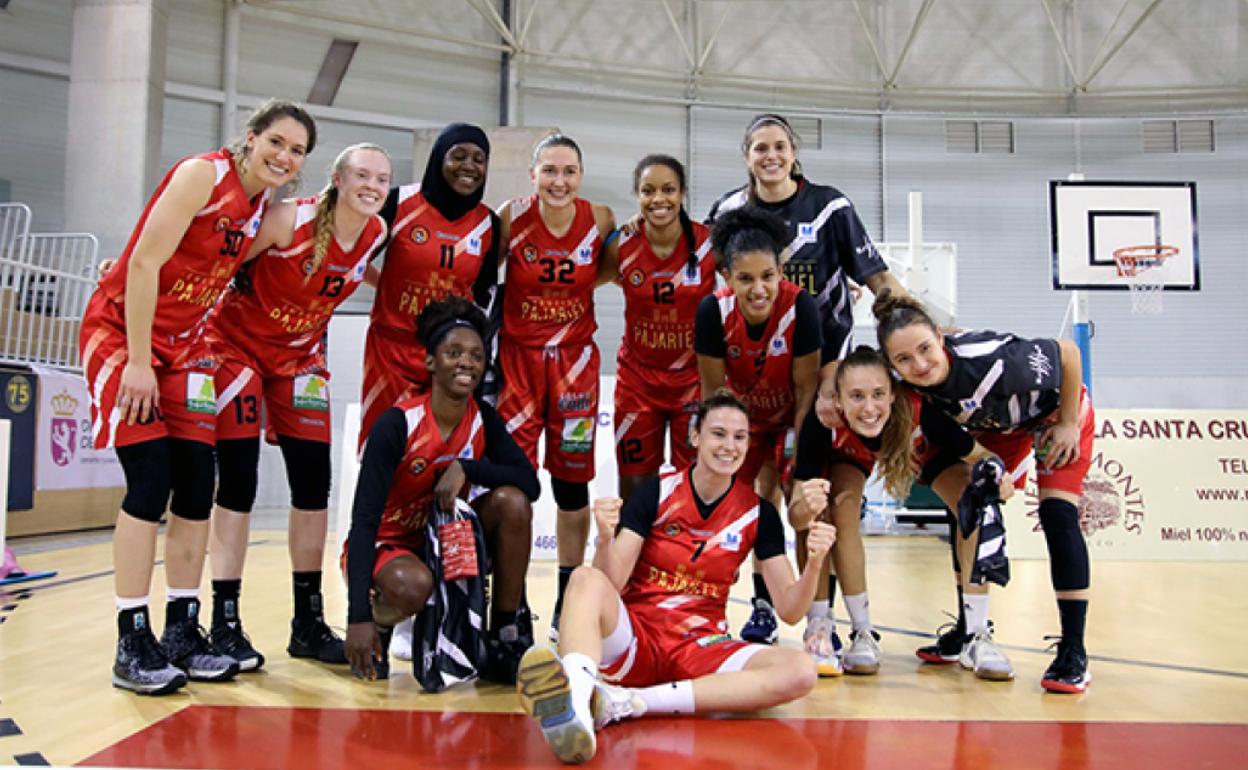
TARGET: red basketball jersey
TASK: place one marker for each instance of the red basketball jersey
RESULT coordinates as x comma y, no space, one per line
428,259
209,254
549,299
661,299
286,305
760,371
688,564
426,456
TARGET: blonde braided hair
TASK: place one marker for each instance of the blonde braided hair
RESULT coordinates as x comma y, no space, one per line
323,229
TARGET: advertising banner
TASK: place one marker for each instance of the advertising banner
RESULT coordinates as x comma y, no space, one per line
65,454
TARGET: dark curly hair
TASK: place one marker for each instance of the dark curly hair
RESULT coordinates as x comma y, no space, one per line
747,229
438,318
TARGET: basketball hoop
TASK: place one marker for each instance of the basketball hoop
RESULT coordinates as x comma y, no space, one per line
1139,266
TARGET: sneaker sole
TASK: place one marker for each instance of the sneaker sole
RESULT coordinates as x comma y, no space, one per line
250,664
204,675
990,675
172,685
828,670
936,657
1066,688
862,669
542,686
770,640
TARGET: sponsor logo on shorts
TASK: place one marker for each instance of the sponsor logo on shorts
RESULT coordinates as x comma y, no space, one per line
310,421
574,402
311,391
714,639
418,466
420,234
201,393
577,435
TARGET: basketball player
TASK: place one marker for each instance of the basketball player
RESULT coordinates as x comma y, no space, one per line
827,246
1013,394
151,386
268,332
443,242
648,617
665,269
428,447
555,242
882,425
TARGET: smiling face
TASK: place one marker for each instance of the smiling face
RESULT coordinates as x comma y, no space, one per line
363,181
557,176
770,154
754,277
722,439
464,168
918,354
458,363
659,195
864,395
275,155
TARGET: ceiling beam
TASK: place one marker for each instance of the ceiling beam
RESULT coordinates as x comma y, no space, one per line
1061,44
875,50
528,19
706,50
680,35
1096,69
891,81
489,14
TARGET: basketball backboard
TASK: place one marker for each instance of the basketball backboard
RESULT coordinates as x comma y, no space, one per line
1091,219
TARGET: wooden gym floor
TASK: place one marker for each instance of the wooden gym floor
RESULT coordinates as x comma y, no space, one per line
1170,683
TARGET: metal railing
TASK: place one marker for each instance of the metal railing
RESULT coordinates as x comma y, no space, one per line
45,282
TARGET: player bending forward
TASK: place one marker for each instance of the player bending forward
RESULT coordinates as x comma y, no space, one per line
643,630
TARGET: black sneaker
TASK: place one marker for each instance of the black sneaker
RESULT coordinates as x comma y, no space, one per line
187,646
314,639
141,666
504,651
762,627
949,642
1068,673
229,639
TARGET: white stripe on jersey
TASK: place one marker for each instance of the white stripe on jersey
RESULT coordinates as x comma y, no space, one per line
977,398
726,304
734,201
221,167
235,387
475,233
585,243
304,213
405,192
977,349
520,418
624,425
816,224
733,530
667,487
413,416
1016,413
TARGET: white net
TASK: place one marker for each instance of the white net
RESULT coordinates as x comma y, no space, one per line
1140,267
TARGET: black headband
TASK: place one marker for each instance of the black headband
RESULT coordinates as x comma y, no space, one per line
437,333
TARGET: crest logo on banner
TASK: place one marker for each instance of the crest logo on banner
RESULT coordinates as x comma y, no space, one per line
64,428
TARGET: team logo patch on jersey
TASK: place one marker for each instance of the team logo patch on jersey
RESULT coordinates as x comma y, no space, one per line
577,435
474,247
806,233
584,256
968,405
778,347
734,351
222,223
529,252
420,234
418,465
309,265
636,278
311,391
672,529
201,393
714,639
731,542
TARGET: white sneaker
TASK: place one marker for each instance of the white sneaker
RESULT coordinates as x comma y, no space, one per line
817,640
863,655
545,695
401,642
982,655
614,704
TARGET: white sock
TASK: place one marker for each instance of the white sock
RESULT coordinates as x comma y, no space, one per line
130,603
857,607
670,698
976,607
181,593
582,673
818,609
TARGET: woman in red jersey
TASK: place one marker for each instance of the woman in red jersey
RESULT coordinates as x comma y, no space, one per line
443,242
648,617
268,332
427,448
665,269
151,382
546,347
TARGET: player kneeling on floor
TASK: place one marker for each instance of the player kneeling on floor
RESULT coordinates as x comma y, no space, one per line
644,630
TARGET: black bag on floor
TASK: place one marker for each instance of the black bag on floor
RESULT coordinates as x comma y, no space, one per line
448,639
